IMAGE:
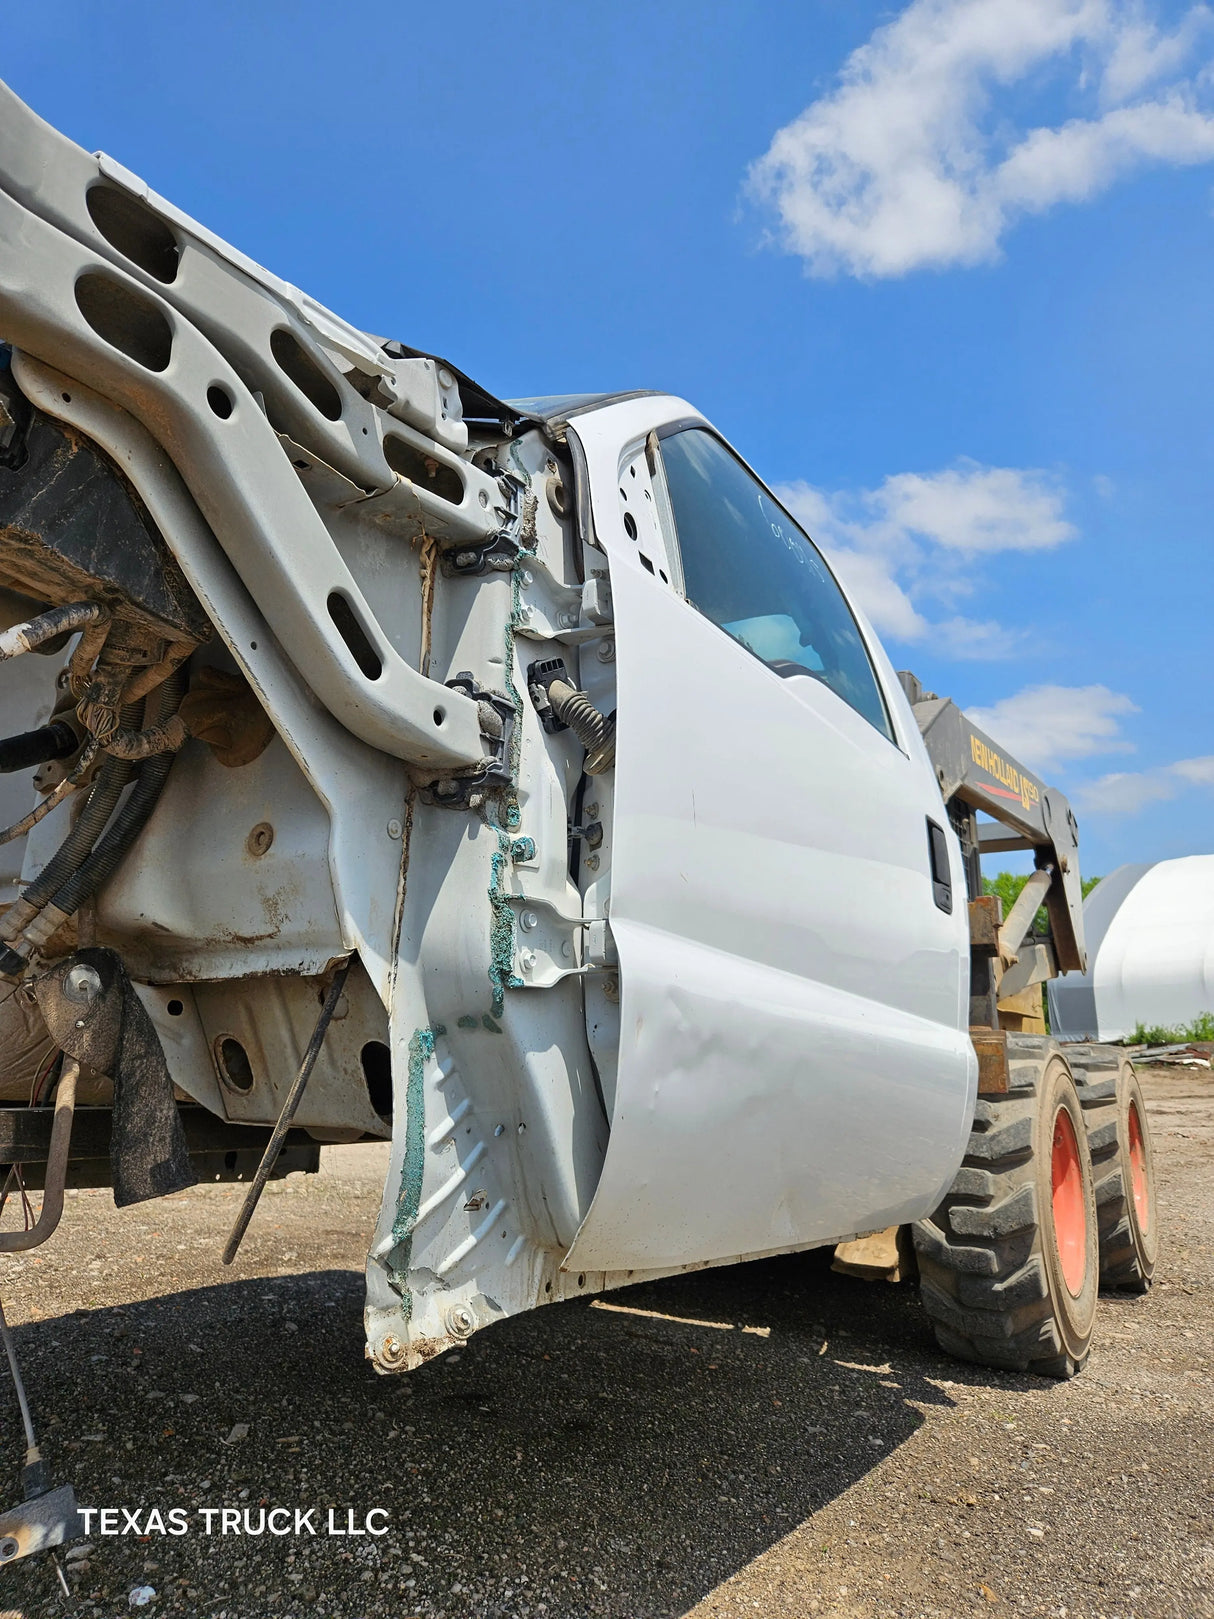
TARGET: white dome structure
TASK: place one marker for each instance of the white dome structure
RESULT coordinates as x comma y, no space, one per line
1150,939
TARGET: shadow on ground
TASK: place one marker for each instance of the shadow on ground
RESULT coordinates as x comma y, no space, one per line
576,1460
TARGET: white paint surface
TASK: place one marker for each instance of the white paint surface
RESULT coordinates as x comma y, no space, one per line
1154,961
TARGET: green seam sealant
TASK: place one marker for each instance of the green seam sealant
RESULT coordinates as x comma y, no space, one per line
501,928
409,1199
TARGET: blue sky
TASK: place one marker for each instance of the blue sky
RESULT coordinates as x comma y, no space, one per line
940,270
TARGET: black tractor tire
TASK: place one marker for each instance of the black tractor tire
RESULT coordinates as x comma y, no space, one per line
1123,1166
1008,1263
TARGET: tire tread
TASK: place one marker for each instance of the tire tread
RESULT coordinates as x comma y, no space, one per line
982,1275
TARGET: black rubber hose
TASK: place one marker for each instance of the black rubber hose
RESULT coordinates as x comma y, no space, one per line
131,818
54,741
124,829
578,713
112,777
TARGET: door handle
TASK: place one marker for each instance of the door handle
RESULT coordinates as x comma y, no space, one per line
942,876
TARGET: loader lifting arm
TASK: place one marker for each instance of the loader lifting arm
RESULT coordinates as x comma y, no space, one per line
977,777
1009,1265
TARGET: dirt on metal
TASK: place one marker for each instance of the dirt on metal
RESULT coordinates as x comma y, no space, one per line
770,1440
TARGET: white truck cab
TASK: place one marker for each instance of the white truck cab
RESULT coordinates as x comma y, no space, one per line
510,781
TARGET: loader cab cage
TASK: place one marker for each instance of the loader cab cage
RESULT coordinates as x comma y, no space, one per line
995,806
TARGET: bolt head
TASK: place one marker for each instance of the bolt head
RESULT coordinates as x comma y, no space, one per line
82,983
461,1323
394,828
606,652
391,1352
529,920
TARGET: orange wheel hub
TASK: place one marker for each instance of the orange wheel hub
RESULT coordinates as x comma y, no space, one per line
1138,1170
1070,1210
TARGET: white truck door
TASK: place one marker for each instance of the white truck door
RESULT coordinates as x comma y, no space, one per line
794,1065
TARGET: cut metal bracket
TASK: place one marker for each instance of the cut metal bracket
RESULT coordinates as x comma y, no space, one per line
36,1526
497,719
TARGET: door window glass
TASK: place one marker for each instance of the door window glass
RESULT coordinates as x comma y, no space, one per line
749,568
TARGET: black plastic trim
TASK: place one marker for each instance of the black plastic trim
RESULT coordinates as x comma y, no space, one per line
941,870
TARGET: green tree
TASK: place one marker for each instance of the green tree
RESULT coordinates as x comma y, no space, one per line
1007,884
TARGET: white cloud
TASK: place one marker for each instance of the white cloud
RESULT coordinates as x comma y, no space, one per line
975,638
1047,725
1127,792
972,508
908,163
1123,792
1199,772
1142,55
914,539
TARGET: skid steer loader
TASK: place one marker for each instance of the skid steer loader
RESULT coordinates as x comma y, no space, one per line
512,781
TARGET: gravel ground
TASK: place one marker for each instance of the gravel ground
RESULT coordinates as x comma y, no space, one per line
769,1439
